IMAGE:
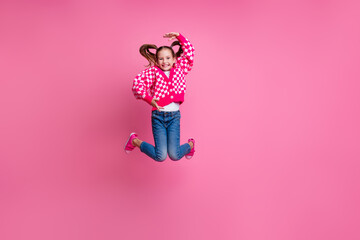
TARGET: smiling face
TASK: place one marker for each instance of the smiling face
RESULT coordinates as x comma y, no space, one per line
165,59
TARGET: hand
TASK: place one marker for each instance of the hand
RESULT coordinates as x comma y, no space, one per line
171,35
154,104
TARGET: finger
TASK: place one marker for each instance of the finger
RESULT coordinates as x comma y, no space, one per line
158,107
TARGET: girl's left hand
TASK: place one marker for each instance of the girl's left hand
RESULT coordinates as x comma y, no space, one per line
171,35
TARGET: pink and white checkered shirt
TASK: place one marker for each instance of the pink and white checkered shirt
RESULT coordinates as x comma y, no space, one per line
153,82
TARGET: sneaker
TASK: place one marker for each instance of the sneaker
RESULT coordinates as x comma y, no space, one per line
129,146
191,153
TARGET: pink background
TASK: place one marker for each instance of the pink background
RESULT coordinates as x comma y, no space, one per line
273,102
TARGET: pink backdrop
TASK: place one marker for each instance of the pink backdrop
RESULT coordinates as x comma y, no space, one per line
273,102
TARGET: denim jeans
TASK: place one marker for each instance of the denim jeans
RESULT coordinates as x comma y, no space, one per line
166,131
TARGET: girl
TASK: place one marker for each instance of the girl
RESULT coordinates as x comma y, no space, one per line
163,86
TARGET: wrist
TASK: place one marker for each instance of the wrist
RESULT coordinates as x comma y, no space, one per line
148,99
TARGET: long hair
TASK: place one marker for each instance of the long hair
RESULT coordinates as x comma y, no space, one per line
152,57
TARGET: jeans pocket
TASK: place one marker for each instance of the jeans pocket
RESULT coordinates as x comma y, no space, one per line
154,113
176,115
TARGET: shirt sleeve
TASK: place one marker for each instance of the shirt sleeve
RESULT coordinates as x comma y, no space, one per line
142,84
186,60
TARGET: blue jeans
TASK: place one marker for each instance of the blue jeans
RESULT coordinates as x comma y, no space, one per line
166,131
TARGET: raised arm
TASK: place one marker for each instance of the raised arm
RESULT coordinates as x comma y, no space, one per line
186,60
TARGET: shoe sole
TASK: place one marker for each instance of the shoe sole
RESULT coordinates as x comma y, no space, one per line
188,157
127,151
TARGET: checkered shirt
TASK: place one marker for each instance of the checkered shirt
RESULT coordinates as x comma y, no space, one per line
153,83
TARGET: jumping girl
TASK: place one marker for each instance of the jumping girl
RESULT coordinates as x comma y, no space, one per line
163,86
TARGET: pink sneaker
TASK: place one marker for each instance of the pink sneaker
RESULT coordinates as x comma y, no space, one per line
191,153
129,146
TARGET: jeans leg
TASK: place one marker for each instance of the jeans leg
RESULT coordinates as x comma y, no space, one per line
159,152
176,152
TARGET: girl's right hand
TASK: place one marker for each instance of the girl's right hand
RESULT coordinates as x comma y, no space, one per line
154,104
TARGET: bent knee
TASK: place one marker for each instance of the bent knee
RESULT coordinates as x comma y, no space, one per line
174,156
161,157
